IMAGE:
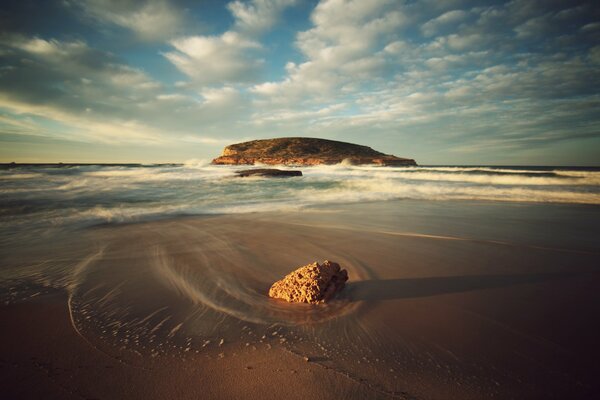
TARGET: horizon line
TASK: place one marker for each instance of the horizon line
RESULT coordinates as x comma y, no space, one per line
13,163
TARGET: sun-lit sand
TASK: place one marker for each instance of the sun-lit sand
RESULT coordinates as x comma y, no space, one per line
448,300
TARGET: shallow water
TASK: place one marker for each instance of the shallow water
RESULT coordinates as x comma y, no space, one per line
34,199
442,294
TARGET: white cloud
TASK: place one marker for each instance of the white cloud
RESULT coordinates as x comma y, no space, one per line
82,127
396,47
432,26
69,82
79,64
288,115
49,48
234,55
533,26
172,97
220,96
148,19
256,16
346,43
204,140
464,42
98,99
591,27
216,59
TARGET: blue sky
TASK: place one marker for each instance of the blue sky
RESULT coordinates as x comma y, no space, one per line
444,82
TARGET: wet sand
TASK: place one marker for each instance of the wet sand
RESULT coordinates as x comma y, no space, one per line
44,357
445,301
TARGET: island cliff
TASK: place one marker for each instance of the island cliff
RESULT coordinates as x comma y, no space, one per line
304,151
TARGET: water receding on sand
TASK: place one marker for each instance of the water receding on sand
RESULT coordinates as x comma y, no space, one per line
422,301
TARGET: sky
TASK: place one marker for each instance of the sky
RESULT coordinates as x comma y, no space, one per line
443,82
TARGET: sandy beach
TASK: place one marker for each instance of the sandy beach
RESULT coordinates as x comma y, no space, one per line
446,300
44,357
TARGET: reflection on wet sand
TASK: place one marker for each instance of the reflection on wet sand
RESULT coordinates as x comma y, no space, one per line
390,289
419,318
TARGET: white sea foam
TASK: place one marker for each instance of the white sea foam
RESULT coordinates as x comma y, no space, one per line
196,163
125,193
358,190
509,179
22,175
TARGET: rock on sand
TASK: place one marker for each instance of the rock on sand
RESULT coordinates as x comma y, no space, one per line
313,283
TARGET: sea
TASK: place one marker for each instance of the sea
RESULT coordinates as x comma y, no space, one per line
45,196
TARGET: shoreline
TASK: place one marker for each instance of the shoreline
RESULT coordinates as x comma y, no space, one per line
43,356
444,301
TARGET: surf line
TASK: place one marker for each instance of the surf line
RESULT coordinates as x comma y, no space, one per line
496,242
79,269
443,237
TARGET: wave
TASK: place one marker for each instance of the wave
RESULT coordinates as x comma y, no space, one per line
505,179
20,175
492,170
196,163
476,175
90,194
357,190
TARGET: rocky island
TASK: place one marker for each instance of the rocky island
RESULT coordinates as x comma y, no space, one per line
305,151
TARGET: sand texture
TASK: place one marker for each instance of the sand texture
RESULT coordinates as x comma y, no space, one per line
444,301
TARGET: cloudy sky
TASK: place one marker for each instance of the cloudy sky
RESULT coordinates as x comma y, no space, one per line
444,82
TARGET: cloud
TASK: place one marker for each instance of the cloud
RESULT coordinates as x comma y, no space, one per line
432,26
288,115
71,83
257,16
216,59
234,55
151,20
345,43
466,86
458,83
92,96
50,70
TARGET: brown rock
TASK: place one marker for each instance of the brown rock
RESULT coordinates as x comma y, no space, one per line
268,172
304,151
313,283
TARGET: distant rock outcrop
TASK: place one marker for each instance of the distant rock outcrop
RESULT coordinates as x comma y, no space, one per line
313,283
268,172
304,151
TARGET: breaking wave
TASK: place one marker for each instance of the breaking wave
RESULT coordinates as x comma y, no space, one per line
84,194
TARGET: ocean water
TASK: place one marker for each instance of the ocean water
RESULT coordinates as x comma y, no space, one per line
35,197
